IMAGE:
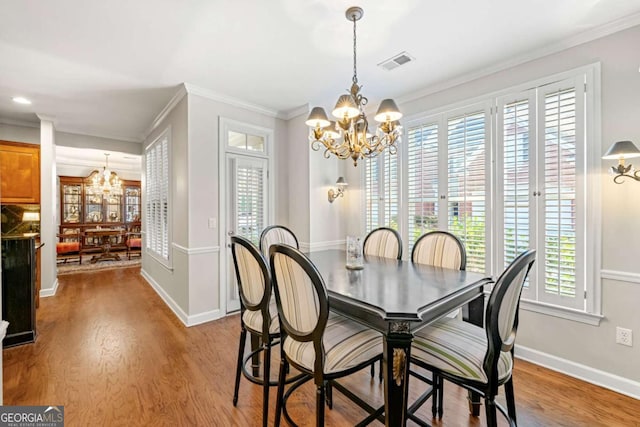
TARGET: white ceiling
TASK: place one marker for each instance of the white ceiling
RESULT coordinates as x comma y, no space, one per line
107,68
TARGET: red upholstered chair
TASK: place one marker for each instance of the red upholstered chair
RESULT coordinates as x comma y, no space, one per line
69,246
134,244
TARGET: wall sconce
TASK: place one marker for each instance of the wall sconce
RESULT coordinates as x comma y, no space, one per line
622,150
339,192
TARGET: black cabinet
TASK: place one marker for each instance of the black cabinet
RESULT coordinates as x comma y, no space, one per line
18,289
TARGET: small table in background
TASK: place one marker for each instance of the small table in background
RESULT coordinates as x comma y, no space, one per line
104,236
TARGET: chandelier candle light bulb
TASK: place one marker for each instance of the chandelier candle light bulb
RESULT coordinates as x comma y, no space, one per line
350,137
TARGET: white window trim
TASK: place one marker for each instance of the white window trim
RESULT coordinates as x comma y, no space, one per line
593,311
165,262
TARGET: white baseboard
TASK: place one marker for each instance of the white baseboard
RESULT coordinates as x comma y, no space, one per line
187,320
50,291
591,375
205,317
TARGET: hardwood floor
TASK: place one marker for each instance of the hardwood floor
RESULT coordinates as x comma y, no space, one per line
113,354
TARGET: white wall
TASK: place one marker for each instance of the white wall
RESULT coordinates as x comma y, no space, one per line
173,284
298,184
592,346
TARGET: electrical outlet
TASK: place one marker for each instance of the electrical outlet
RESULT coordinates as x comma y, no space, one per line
624,336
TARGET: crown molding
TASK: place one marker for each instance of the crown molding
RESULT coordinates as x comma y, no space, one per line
177,97
72,131
581,38
46,118
12,122
214,96
294,112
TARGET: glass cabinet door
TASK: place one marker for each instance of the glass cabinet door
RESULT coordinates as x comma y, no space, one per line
92,206
113,208
132,204
71,203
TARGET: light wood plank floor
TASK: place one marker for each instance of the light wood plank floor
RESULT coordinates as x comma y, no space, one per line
113,354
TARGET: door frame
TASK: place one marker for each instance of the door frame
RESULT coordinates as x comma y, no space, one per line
224,126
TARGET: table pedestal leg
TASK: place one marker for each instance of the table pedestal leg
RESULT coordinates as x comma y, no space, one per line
474,314
396,354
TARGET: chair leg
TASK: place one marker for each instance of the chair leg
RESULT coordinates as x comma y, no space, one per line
434,397
243,339
265,380
373,369
320,405
282,376
380,373
329,394
490,407
511,400
440,396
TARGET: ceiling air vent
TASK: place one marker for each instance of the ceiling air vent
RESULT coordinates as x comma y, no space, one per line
396,61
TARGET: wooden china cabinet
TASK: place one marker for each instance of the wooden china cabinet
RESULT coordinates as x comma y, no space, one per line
81,209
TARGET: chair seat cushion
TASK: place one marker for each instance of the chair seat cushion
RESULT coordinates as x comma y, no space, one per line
346,343
458,348
66,247
253,320
136,242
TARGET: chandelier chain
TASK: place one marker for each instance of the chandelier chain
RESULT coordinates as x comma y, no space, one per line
355,68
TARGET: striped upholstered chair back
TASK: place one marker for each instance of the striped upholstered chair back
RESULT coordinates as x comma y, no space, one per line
254,283
501,317
439,249
383,242
301,296
276,234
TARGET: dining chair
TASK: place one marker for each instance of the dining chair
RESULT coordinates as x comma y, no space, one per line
383,242
258,315
438,249
276,234
324,347
480,359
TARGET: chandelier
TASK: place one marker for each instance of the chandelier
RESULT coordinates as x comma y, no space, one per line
106,182
349,135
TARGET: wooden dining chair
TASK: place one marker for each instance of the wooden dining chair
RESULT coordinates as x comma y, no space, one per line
480,359
438,249
383,242
258,315
322,346
276,234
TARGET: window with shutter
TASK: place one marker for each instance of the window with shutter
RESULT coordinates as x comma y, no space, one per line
422,181
381,191
515,171
466,194
157,197
249,198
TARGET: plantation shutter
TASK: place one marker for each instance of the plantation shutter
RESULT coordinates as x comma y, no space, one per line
157,197
250,180
371,194
561,170
516,181
422,181
390,190
467,185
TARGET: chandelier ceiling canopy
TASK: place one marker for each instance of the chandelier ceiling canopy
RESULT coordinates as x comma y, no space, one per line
349,135
106,182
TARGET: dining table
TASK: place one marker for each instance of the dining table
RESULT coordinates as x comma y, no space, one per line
397,298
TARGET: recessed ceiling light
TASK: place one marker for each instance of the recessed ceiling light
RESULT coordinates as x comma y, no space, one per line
21,100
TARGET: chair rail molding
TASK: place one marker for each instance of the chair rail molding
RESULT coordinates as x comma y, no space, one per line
622,276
